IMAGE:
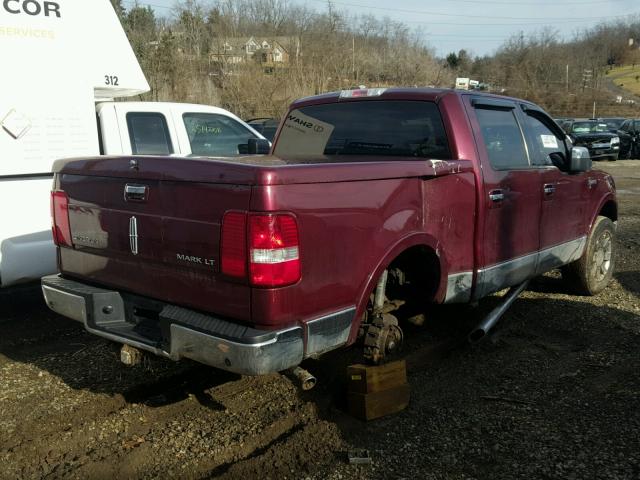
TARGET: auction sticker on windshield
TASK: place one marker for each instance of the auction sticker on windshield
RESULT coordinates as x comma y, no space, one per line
303,135
549,141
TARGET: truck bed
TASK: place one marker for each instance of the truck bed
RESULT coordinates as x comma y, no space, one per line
179,221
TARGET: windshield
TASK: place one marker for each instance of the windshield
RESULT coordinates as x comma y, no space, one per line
267,127
589,127
372,128
211,134
613,123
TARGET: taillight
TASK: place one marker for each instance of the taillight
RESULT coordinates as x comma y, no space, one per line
274,250
234,244
272,244
60,217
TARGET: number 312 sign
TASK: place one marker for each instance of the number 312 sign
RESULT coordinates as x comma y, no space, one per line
111,80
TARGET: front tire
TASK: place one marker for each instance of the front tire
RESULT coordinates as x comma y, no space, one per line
626,155
592,272
612,158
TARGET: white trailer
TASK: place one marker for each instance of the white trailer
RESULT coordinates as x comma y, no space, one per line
64,62
58,57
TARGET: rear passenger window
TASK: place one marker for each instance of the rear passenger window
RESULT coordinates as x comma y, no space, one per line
502,138
544,143
149,133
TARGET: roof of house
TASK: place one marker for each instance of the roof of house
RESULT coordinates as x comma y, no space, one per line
239,43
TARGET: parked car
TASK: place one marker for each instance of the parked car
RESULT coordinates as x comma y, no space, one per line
595,136
561,120
372,201
163,128
614,124
266,126
630,131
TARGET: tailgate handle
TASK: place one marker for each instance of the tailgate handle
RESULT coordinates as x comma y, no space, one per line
135,193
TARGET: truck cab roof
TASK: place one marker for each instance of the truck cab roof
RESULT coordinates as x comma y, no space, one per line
394,93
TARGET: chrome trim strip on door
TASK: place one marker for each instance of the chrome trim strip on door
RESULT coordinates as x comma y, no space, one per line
505,274
559,255
513,272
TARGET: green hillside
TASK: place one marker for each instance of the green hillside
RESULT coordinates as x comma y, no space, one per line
627,77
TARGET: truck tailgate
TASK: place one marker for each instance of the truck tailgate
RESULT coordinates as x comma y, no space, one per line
155,237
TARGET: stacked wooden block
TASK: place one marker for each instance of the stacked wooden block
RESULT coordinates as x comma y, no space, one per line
376,391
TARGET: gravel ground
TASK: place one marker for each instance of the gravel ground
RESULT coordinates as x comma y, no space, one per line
553,394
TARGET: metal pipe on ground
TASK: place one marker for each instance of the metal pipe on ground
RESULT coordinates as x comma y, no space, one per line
305,379
483,328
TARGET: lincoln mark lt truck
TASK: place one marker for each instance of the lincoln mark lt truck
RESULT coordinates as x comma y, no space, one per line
372,201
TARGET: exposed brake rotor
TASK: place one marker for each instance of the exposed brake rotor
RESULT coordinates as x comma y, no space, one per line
383,338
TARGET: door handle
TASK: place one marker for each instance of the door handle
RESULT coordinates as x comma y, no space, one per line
549,189
496,196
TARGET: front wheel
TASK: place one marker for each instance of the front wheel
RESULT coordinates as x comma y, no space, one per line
626,155
612,158
592,272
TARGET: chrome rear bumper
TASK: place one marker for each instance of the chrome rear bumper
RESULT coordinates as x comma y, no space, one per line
183,333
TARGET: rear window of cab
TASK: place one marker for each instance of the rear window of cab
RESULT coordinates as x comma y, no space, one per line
372,128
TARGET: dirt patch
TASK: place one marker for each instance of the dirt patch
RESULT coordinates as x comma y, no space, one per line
553,393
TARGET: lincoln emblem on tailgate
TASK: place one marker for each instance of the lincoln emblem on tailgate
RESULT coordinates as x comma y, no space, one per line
133,235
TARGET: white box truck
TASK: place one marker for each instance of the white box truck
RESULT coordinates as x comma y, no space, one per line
63,63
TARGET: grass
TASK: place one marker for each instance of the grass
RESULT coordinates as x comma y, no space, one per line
627,77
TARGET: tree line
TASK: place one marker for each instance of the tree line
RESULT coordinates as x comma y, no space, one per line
326,51
184,58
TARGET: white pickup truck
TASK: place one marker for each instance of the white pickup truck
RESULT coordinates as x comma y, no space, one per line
161,128
70,60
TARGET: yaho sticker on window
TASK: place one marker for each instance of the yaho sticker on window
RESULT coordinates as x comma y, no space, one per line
303,135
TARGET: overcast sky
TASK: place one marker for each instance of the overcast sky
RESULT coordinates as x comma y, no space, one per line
479,26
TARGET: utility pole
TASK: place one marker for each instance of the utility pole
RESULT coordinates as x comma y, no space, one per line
594,110
567,78
353,57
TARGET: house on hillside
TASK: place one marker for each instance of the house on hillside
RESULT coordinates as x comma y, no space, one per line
268,52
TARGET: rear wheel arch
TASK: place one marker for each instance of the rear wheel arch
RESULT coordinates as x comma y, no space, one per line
422,256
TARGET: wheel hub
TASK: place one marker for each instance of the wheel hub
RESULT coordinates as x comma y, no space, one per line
383,338
602,256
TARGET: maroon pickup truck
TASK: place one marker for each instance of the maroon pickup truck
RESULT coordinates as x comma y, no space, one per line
372,202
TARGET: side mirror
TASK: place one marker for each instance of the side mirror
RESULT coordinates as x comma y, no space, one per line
259,146
580,160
